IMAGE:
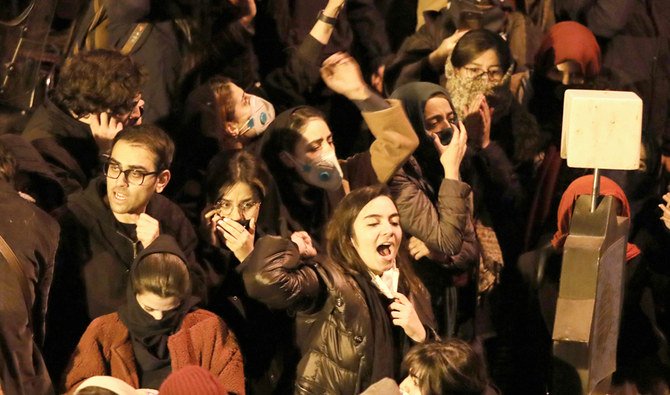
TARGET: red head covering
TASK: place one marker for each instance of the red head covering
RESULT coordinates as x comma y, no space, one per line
571,41
584,186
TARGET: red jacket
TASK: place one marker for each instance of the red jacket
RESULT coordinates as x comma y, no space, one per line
203,340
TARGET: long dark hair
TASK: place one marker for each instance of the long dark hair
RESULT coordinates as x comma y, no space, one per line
228,168
340,230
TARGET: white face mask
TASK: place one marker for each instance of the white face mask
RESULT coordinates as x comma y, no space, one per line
262,113
324,172
387,283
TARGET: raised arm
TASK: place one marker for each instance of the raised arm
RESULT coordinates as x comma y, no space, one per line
274,274
395,140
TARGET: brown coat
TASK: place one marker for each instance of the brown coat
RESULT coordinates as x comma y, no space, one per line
203,340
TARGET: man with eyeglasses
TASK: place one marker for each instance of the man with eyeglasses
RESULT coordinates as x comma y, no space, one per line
104,227
97,94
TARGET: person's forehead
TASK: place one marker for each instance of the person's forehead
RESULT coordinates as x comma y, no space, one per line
381,205
316,128
238,191
486,59
437,105
133,154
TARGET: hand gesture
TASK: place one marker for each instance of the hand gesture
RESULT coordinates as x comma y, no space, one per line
104,128
238,239
451,155
478,120
213,218
304,243
404,316
342,74
666,210
417,248
439,56
147,229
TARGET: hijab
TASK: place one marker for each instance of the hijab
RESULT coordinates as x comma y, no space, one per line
414,96
570,41
584,186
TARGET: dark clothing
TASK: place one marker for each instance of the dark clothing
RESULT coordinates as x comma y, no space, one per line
94,260
33,174
33,236
635,39
269,358
444,224
333,321
149,336
284,24
158,50
66,144
411,61
308,208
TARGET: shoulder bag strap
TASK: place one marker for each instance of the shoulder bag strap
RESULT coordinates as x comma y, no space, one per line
16,267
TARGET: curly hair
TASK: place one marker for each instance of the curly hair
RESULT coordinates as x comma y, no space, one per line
98,81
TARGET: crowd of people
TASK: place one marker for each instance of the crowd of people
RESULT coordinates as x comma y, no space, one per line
324,197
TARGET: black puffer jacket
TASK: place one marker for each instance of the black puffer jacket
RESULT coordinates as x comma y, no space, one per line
333,322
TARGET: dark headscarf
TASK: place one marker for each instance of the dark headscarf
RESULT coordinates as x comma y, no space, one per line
149,336
414,96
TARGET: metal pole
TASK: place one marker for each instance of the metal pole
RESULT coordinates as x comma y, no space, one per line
596,189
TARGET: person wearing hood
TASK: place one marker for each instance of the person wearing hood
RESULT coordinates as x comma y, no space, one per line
104,227
434,204
158,330
298,150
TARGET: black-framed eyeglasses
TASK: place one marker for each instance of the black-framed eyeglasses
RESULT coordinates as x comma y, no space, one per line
113,170
493,74
225,207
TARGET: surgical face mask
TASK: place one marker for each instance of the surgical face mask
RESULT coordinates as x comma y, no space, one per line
262,113
324,172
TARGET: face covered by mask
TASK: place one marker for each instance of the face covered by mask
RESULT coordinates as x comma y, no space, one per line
463,90
262,114
324,172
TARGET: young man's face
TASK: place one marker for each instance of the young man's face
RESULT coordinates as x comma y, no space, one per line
127,199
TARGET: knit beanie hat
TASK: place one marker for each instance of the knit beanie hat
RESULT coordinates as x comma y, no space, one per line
192,380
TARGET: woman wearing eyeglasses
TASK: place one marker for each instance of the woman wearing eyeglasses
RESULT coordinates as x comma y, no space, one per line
506,142
240,209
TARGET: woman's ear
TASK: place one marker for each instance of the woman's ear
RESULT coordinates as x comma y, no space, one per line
230,128
286,159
